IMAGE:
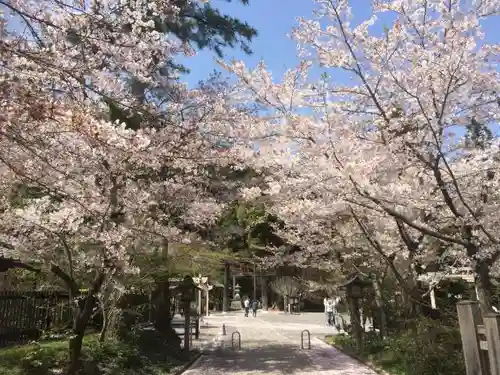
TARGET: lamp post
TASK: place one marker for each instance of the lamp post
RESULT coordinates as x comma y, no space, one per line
187,295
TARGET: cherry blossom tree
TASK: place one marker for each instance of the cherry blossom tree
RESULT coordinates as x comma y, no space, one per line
387,141
83,189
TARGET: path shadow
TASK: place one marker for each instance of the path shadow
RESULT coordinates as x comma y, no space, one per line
275,359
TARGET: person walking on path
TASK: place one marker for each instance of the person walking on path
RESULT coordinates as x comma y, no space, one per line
329,311
255,304
337,318
246,303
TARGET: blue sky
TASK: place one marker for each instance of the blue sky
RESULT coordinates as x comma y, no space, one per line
274,19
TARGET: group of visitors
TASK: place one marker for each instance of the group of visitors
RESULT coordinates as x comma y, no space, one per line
247,304
330,303
331,309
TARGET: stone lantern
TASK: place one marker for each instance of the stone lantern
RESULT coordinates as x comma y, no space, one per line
354,288
236,302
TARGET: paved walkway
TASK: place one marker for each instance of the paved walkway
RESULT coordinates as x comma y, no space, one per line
273,349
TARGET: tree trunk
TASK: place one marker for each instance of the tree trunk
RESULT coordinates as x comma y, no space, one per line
75,349
482,277
412,301
483,285
80,321
162,318
105,326
357,330
381,307
406,299
162,310
81,312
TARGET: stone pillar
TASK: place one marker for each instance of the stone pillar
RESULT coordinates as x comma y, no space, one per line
433,297
225,295
200,301
207,304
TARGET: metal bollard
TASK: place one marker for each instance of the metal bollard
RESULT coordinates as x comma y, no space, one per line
239,340
308,339
223,329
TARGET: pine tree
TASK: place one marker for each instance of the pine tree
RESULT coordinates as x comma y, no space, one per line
206,27
478,135
200,26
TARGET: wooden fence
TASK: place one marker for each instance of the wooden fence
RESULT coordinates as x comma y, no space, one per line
24,315
480,339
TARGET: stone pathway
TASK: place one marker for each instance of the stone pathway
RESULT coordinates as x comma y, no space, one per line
272,349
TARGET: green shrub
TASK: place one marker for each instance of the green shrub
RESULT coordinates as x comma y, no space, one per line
427,347
114,358
372,344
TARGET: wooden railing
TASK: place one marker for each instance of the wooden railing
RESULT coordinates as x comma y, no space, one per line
480,339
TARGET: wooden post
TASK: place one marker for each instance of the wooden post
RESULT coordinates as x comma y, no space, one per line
225,295
187,325
492,328
469,316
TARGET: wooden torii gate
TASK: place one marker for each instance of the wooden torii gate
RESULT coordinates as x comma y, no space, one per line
434,278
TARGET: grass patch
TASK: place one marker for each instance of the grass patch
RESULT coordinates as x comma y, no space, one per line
109,358
33,358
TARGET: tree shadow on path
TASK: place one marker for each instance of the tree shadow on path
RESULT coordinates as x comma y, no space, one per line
275,359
